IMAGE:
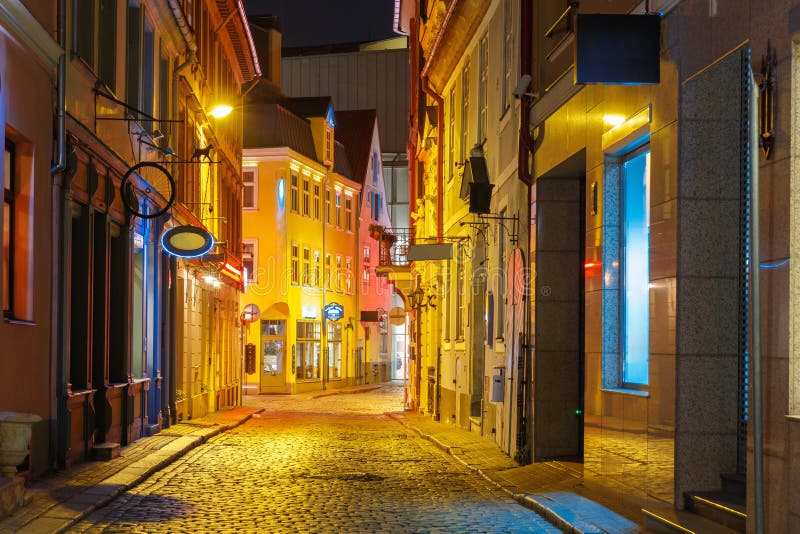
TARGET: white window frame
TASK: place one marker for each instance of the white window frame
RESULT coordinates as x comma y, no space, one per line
253,184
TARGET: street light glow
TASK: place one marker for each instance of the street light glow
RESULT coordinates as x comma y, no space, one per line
221,110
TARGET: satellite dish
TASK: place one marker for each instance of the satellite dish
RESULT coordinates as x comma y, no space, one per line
251,314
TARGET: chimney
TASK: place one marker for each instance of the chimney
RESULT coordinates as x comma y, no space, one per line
266,31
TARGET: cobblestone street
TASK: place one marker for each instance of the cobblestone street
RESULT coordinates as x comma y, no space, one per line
331,464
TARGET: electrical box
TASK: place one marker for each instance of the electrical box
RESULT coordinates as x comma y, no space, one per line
499,385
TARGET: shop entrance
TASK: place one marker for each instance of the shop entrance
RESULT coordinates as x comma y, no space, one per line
272,365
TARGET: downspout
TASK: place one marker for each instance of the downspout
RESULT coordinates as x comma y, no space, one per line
755,262
324,329
58,286
525,174
172,364
413,119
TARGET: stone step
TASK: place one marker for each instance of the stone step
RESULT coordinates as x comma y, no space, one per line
667,520
720,507
105,451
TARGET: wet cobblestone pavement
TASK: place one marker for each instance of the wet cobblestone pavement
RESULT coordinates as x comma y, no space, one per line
329,464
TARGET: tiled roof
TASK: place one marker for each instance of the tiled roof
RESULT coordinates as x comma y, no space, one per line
354,129
341,165
272,125
310,106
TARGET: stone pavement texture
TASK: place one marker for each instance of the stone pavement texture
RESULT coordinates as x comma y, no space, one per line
75,500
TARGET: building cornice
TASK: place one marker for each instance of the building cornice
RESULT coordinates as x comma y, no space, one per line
20,25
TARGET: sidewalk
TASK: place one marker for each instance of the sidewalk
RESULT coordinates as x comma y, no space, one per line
552,489
62,499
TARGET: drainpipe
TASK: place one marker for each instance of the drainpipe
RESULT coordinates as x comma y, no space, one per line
755,262
183,24
324,329
526,151
58,285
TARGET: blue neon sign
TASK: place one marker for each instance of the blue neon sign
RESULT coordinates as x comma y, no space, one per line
333,311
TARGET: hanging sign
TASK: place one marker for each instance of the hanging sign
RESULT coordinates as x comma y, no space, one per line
333,311
187,241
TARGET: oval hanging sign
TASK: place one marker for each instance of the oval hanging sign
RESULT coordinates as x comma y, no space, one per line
333,311
187,241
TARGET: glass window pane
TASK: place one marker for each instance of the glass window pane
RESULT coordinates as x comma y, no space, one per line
636,230
401,184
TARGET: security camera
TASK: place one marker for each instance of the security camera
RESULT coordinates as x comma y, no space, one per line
522,87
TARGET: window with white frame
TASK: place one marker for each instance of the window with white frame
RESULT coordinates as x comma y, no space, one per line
295,264
250,188
501,279
328,213
306,266
250,259
348,213
334,350
348,275
308,350
460,290
317,269
316,201
294,193
339,209
306,197
635,275
339,273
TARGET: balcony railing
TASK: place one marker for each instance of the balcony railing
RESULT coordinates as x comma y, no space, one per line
393,245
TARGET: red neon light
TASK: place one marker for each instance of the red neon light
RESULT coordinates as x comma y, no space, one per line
233,269
232,272
589,265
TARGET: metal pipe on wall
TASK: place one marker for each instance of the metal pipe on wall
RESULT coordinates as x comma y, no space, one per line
755,263
57,282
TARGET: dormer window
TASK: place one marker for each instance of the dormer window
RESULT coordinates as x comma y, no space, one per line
330,124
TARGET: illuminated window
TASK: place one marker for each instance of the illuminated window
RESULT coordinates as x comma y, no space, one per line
376,167
328,280
316,201
328,144
483,82
635,189
295,265
9,217
339,273
328,214
293,200
338,209
367,252
306,266
308,350
317,270
348,274
306,193
334,350
460,289
250,188
348,213
250,258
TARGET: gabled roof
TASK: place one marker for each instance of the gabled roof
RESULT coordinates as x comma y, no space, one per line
341,165
272,125
309,106
354,129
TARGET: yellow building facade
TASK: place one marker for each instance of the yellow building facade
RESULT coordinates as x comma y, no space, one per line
301,247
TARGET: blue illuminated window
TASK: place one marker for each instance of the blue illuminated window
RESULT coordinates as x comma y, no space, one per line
635,267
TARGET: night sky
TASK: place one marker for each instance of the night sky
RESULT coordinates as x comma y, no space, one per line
317,22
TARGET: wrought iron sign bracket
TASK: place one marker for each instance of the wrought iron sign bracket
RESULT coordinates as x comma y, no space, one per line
98,92
766,101
513,234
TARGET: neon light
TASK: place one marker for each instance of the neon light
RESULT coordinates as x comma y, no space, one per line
774,264
198,241
232,269
281,191
589,265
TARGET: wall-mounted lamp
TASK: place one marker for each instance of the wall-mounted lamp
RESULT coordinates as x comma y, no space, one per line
419,299
220,110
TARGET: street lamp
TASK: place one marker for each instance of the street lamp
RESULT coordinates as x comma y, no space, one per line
418,299
221,110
